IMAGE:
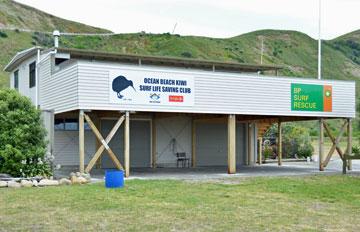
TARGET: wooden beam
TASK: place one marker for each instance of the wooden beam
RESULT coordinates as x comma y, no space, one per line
321,144
193,144
279,150
247,144
335,142
260,150
104,143
153,142
97,123
127,144
81,142
349,143
231,144
250,144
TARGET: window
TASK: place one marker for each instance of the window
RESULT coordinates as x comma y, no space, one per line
32,80
59,124
16,79
71,124
68,124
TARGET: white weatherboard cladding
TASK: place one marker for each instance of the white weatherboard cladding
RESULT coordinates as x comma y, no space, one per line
24,87
59,91
150,87
215,92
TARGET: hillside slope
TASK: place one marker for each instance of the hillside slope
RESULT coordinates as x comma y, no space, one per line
17,15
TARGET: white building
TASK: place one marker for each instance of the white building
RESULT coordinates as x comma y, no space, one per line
214,112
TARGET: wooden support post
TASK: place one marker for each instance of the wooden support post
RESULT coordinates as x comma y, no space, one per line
97,123
127,145
349,143
250,144
104,143
321,144
279,148
247,131
260,150
153,142
81,142
335,142
232,144
193,144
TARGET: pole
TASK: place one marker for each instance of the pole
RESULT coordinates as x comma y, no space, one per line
319,43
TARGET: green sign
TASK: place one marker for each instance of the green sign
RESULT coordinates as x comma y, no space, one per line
307,97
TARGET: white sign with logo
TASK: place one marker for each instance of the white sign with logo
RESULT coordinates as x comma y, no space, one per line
151,88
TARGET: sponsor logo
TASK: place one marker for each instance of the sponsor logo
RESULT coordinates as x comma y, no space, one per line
121,83
176,98
155,98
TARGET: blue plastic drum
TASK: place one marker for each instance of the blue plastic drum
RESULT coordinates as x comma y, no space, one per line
114,178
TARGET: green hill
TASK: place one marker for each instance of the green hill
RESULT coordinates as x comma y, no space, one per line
16,15
296,51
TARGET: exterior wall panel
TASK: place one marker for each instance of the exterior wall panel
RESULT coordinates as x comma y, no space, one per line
59,91
215,92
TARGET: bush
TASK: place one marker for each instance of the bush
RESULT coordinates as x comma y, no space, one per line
22,137
3,34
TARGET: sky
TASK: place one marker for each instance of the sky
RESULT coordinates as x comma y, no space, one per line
219,18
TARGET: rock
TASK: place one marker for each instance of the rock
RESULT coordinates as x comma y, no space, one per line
3,184
13,184
72,174
78,180
26,183
64,181
78,174
47,182
35,183
4,175
86,176
82,180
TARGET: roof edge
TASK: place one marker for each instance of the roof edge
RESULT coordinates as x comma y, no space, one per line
20,56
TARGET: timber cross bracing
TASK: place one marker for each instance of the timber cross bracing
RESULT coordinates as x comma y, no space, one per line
103,143
336,145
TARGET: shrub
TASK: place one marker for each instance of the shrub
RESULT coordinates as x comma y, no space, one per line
186,54
22,137
3,34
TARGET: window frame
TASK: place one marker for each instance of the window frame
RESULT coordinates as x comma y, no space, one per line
16,79
32,74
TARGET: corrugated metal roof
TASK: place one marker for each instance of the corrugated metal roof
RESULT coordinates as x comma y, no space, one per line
168,61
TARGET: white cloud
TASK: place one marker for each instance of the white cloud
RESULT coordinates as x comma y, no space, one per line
208,17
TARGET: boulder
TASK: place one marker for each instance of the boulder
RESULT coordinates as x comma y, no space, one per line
82,180
64,181
78,180
3,184
4,175
35,183
26,183
47,182
86,176
77,174
13,184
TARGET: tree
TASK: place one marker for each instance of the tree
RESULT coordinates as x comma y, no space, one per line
22,137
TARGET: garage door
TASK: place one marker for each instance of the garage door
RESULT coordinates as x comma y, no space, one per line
140,143
211,144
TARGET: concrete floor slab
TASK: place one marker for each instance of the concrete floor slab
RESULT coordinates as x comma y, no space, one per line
213,173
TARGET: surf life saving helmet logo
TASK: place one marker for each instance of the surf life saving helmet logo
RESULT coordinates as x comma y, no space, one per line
154,96
120,83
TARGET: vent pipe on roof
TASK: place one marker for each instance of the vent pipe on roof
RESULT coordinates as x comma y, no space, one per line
56,35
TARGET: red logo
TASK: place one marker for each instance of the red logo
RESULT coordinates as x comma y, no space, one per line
173,98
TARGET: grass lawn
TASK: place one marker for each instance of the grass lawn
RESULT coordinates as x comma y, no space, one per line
315,203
